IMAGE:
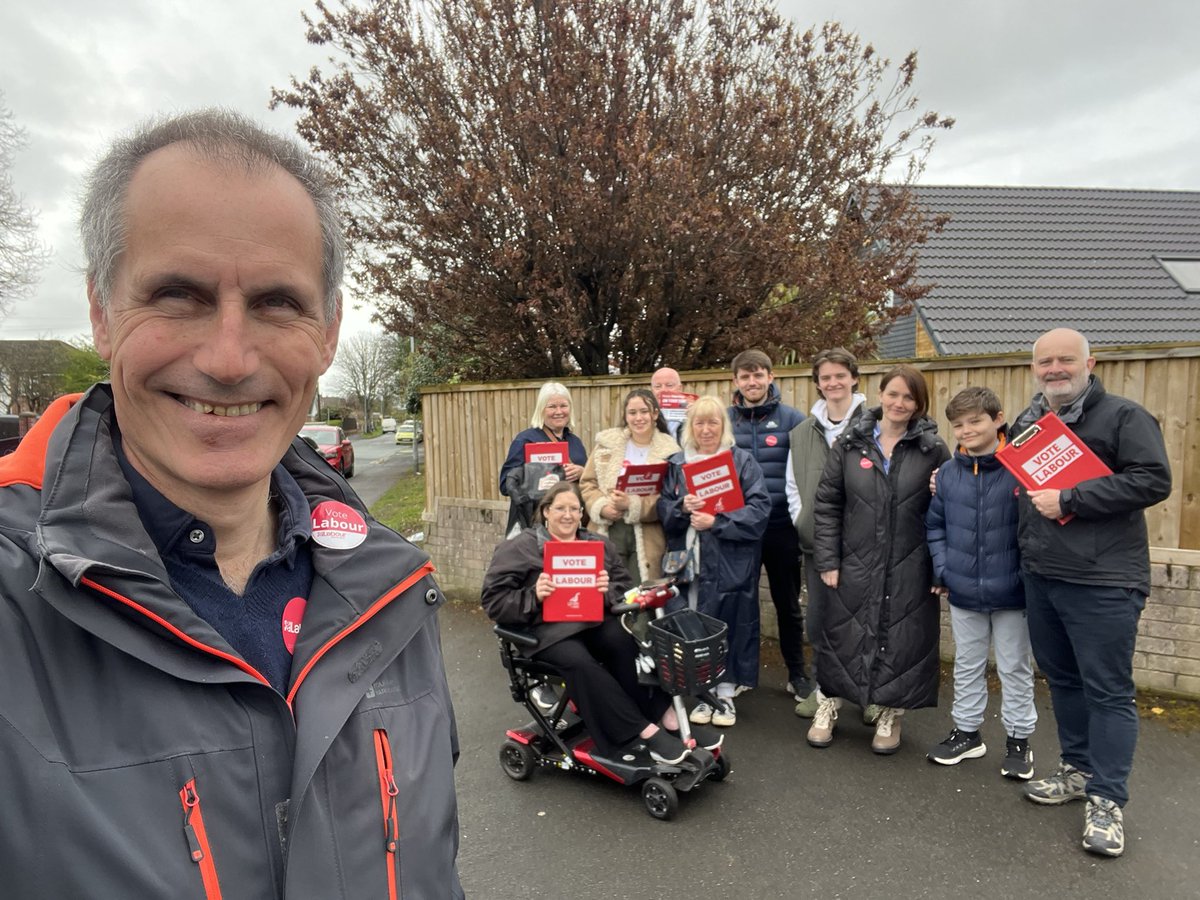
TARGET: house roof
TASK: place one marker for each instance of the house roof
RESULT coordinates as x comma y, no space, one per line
1013,262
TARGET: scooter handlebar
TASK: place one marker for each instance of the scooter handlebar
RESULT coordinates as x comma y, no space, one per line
652,597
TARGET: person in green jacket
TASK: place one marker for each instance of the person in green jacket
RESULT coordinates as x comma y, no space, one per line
835,375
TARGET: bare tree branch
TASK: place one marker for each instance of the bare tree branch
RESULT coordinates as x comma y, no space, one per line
564,185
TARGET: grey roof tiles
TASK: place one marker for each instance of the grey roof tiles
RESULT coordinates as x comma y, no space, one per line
1013,262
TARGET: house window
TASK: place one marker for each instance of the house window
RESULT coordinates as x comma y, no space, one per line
1185,271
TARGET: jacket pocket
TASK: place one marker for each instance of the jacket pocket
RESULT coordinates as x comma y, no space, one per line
387,798
197,839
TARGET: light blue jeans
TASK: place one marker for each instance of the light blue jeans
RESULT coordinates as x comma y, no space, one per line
1008,631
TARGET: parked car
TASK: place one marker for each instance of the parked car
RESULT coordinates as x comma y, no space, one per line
332,443
10,433
388,425
409,432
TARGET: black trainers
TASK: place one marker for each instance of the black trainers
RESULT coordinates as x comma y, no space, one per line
706,738
800,686
666,748
1018,759
959,745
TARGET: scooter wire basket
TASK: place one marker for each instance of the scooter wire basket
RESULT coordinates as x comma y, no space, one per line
689,651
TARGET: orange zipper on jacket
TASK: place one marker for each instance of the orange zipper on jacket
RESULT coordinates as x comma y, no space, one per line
197,838
387,797
182,635
240,663
375,607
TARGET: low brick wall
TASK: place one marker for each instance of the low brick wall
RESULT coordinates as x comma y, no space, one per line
1167,655
462,533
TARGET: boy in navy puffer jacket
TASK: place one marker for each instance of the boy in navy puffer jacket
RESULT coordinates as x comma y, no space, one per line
972,530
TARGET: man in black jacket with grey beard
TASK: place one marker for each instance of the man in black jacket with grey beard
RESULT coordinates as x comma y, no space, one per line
1087,580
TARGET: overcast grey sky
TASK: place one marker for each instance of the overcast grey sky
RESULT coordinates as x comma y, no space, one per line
1096,93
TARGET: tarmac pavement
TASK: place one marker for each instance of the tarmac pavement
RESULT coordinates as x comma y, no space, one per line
795,822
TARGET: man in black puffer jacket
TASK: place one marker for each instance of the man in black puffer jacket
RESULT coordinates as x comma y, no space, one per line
762,425
1086,582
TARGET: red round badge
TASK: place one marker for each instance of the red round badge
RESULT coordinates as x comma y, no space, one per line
771,440
338,526
293,615
865,463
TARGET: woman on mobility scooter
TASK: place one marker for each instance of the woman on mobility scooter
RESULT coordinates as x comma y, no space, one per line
597,659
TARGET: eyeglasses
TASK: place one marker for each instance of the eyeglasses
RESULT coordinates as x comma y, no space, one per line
566,510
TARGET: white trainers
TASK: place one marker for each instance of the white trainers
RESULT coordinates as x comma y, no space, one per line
701,715
726,715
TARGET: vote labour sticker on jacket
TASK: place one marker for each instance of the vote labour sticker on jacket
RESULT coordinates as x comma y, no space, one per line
338,526
770,440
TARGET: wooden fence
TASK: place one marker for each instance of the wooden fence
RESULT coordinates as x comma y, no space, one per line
468,427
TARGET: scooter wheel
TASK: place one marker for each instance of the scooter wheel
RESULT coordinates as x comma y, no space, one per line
722,768
662,802
517,760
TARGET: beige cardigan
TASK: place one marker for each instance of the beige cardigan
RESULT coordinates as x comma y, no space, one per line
600,476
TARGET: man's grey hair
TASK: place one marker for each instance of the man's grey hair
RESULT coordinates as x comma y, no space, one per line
221,135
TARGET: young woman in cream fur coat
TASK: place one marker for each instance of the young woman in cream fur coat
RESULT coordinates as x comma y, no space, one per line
629,521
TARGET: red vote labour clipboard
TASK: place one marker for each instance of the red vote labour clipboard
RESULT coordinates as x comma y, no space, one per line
715,481
642,480
1048,456
573,566
547,452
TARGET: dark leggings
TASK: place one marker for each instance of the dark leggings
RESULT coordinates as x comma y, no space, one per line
598,667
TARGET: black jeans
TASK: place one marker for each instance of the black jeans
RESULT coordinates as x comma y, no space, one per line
781,557
598,667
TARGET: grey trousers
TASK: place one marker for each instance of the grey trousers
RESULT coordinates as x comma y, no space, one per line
1008,631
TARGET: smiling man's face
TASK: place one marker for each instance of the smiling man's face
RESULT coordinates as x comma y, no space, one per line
1061,366
215,328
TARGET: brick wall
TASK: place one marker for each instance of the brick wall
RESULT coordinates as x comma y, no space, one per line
461,536
462,533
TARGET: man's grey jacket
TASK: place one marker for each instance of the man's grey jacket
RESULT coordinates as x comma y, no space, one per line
141,757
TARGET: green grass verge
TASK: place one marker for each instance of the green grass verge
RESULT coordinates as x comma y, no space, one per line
400,508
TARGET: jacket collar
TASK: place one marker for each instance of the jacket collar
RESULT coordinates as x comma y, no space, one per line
89,527
922,430
766,408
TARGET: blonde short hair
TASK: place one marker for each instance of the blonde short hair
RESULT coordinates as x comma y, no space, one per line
548,390
709,407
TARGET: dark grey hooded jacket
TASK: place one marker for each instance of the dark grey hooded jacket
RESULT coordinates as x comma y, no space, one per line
140,756
880,626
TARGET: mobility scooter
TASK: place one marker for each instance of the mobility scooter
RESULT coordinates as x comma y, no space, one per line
687,651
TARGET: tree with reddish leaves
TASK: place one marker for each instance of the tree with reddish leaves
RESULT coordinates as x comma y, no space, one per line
568,186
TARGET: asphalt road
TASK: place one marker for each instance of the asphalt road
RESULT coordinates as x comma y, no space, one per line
378,462
794,822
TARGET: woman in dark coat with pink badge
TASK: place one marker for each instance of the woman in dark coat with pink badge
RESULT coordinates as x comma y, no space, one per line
878,641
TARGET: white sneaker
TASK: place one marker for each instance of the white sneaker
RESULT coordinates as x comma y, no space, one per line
701,715
725,716
741,689
544,697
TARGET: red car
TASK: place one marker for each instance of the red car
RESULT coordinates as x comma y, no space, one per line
331,442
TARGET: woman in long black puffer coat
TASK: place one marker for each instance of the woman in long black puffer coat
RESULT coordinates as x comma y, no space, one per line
880,627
